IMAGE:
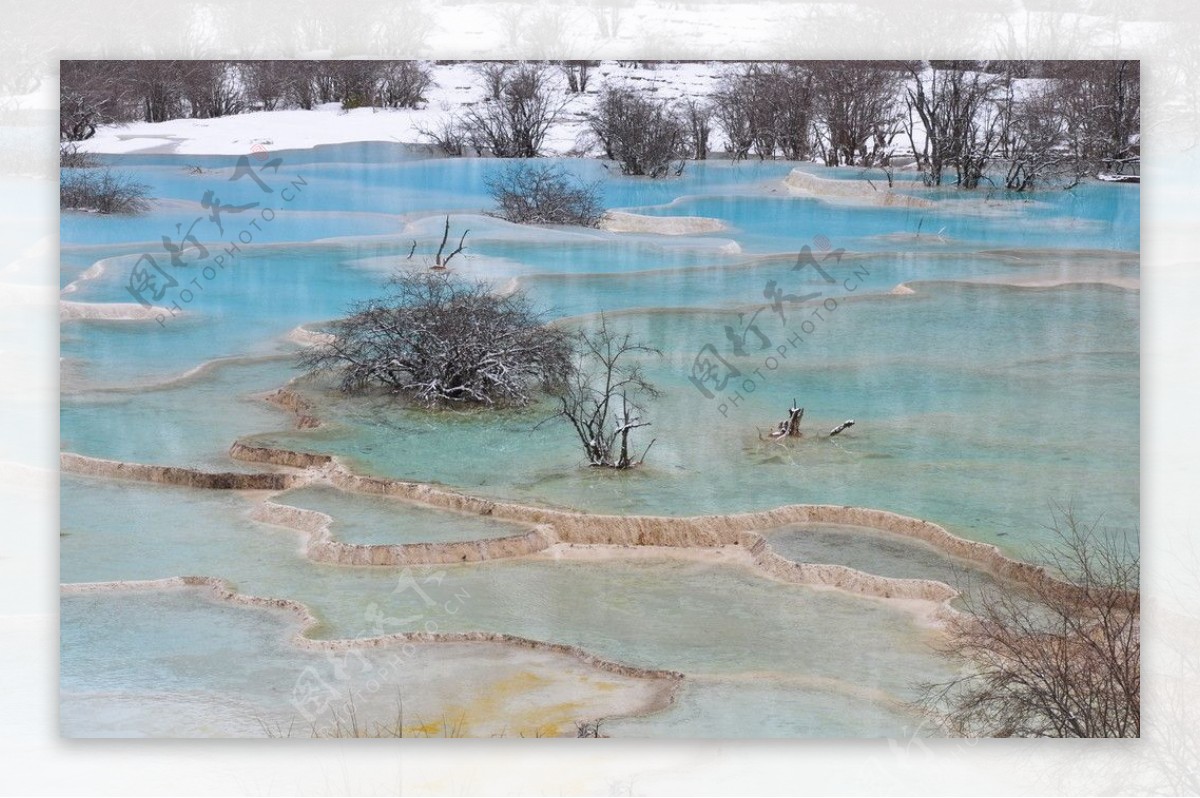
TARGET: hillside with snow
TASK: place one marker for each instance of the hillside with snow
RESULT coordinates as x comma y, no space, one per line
455,86
948,116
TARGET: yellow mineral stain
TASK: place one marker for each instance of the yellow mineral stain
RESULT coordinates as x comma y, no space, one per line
431,729
520,704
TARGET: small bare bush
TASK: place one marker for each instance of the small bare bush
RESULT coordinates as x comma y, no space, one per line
545,194
104,191
448,135
71,157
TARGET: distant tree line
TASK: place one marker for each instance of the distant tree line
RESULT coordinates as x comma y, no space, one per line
966,123
1011,124
93,93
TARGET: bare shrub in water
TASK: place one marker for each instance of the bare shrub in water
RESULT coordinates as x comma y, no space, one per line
544,194
1066,663
442,340
106,191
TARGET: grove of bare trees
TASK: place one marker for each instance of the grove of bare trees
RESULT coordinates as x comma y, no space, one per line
1016,125
767,108
1077,118
96,92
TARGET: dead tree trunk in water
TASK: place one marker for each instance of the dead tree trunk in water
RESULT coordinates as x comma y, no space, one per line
440,263
790,428
840,427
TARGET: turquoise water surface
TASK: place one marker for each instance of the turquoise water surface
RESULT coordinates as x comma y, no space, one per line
986,347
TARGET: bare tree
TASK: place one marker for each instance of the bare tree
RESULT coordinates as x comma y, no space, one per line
93,93
954,101
1035,142
159,86
1063,662
354,83
578,73
267,83
1085,120
361,83
438,261
493,74
855,106
791,92
211,88
544,194
768,107
731,107
402,84
309,83
1101,103
588,728
153,91
602,396
515,126
642,135
442,340
697,117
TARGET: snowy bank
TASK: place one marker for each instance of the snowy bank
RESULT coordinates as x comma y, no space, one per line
852,191
622,222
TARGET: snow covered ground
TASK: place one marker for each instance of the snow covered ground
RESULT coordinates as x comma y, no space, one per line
455,87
